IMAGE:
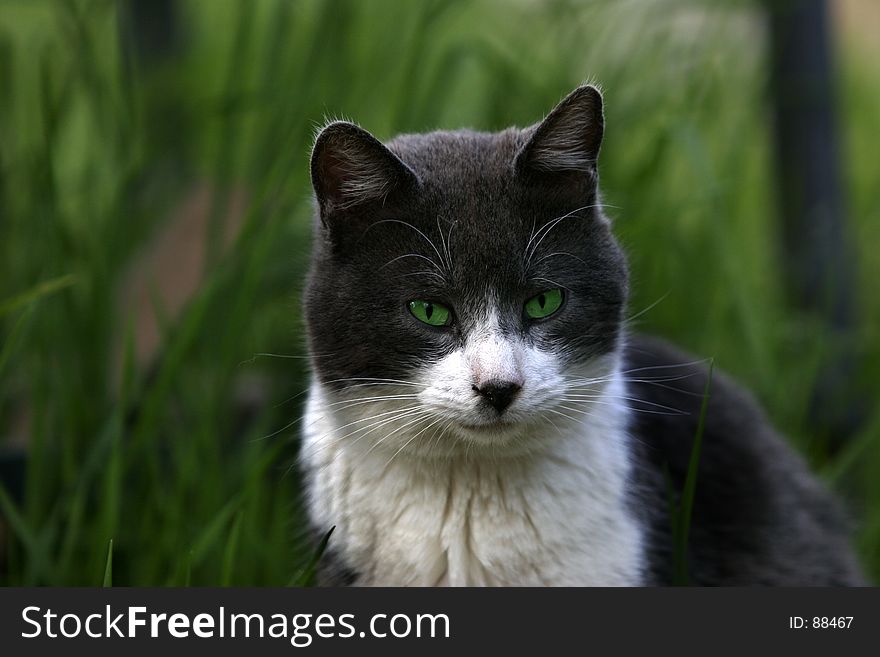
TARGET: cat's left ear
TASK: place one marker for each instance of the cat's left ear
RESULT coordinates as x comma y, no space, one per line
568,140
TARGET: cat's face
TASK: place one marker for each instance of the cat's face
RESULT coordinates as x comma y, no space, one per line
465,287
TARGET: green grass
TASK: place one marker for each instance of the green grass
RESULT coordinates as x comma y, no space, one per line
97,151
681,507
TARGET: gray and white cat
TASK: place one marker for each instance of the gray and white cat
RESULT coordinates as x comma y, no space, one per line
478,414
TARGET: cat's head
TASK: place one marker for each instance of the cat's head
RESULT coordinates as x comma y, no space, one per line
465,287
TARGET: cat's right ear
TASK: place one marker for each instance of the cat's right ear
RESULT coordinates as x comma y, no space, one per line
351,169
567,141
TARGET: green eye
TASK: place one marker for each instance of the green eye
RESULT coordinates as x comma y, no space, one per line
431,313
544,304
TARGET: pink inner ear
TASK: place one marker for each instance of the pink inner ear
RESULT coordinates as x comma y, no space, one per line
563,147
350,167
351,174
569,138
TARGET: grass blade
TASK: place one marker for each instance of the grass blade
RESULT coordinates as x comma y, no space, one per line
108,569
231,550
682,524
37,292
13,339
212,532
306,577
16,521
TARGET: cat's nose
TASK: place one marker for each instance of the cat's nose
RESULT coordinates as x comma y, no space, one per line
498,393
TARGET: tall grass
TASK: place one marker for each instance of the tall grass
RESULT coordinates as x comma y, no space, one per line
165,456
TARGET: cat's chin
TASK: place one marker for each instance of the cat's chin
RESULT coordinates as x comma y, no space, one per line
507,435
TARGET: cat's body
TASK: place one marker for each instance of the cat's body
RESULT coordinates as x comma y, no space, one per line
479,416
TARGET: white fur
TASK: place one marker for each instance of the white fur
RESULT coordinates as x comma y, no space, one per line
423,500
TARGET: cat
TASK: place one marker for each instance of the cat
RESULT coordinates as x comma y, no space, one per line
479,414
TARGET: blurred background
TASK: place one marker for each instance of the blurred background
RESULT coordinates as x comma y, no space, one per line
155,225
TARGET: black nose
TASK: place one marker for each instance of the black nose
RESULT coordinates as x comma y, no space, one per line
498,393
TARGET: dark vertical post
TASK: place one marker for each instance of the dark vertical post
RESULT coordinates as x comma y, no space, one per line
151,29
817,254
153,37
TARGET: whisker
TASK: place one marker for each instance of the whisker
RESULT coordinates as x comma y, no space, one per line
550,281
560,253
606,395
548,228
416,417
368,378
303,416
694,363
349,403
378,415
648,308
420,418
321,443
566,416
448,262
414,255
407,443
668,410
553,424
309,356
357,385
662,385
409,225
425,272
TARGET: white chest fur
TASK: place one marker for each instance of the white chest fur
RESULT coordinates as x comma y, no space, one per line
559,517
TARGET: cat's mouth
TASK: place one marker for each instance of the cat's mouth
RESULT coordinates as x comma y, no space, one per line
491,427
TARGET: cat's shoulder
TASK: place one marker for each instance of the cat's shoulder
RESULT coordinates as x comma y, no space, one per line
666,387
759,515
